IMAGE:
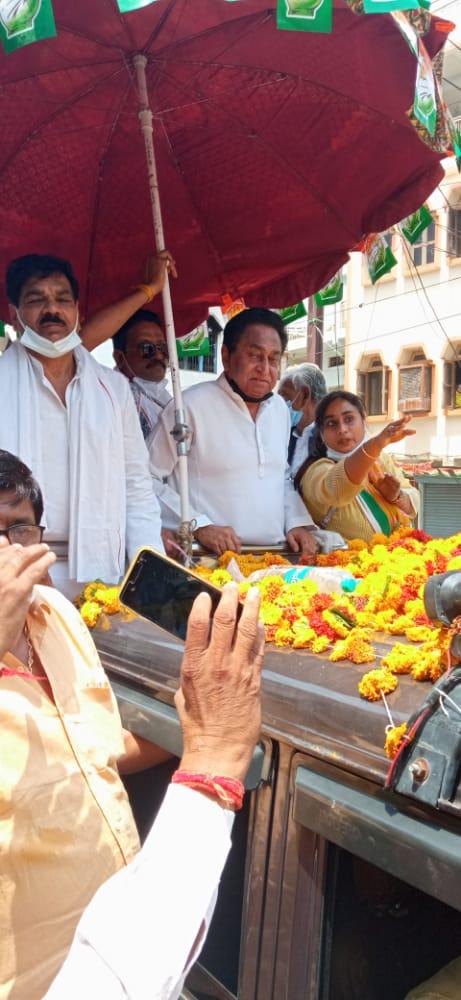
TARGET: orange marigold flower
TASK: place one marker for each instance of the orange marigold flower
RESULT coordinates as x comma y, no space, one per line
401,659
374,682
394,738
357,544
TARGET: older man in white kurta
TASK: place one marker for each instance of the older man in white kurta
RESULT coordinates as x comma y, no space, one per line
240,488
75,424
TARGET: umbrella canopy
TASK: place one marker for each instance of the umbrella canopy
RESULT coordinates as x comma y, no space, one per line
277,151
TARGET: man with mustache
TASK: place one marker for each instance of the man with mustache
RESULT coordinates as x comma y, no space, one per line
141,353
74,422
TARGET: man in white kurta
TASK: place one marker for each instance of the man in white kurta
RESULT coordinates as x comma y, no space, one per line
240,488
75,424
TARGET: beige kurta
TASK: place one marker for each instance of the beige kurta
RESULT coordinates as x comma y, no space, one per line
65,820
326,488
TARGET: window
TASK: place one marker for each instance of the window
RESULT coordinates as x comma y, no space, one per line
373,387
452,384
423,252
335,361
415,386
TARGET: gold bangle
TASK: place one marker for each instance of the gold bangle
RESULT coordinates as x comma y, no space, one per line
147,290
374,458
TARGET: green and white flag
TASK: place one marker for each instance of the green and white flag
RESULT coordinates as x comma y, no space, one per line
384,6
380,259
25,21
455,135
415,224
425,106
332,292
125,5
195,344
292,313
304,15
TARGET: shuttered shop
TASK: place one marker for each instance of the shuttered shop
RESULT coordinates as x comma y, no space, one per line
440,505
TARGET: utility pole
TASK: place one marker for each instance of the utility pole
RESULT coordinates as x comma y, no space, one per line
315,333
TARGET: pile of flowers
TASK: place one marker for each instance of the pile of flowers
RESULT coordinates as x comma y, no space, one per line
390,574
388,599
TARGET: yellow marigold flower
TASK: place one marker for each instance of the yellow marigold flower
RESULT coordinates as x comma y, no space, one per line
244,587
90,590
429,667
219,577
320,644
271,587
271,614
284,635
108,598
399,625
90,612
303,635
394,738
418,633
401,658
356,648
374,682
415,608
454,563
336,623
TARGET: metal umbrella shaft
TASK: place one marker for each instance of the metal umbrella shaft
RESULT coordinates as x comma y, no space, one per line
181,432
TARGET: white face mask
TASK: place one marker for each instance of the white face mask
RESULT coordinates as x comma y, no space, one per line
49,348
337,456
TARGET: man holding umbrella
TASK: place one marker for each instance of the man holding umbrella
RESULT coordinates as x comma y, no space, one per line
75,424
240,489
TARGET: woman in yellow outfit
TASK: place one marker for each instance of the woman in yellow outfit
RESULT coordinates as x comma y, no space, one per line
348,485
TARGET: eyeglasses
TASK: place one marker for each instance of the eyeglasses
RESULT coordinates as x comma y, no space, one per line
148,350
24,534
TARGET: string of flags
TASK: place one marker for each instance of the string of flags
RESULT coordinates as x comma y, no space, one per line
23,22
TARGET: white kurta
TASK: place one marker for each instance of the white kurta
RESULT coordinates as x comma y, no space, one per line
112,507
238,473
145,927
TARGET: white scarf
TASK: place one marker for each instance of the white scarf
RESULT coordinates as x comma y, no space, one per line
97,521
154,390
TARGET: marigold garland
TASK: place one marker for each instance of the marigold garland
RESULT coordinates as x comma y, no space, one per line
388,599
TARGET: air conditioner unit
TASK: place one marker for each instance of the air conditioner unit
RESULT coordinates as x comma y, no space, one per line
415,388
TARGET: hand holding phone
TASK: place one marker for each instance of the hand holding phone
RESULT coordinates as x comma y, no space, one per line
218,702
162,591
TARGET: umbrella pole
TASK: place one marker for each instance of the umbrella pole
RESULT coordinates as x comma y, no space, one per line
180,432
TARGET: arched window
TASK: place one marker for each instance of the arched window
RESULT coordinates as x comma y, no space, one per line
373,385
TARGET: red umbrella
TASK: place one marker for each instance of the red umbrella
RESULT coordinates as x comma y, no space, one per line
276,150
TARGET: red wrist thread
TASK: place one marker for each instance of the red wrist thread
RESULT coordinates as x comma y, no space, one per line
229,791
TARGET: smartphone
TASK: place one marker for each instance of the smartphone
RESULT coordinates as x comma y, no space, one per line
162,591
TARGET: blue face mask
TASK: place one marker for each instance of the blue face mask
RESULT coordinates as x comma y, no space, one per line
295,415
